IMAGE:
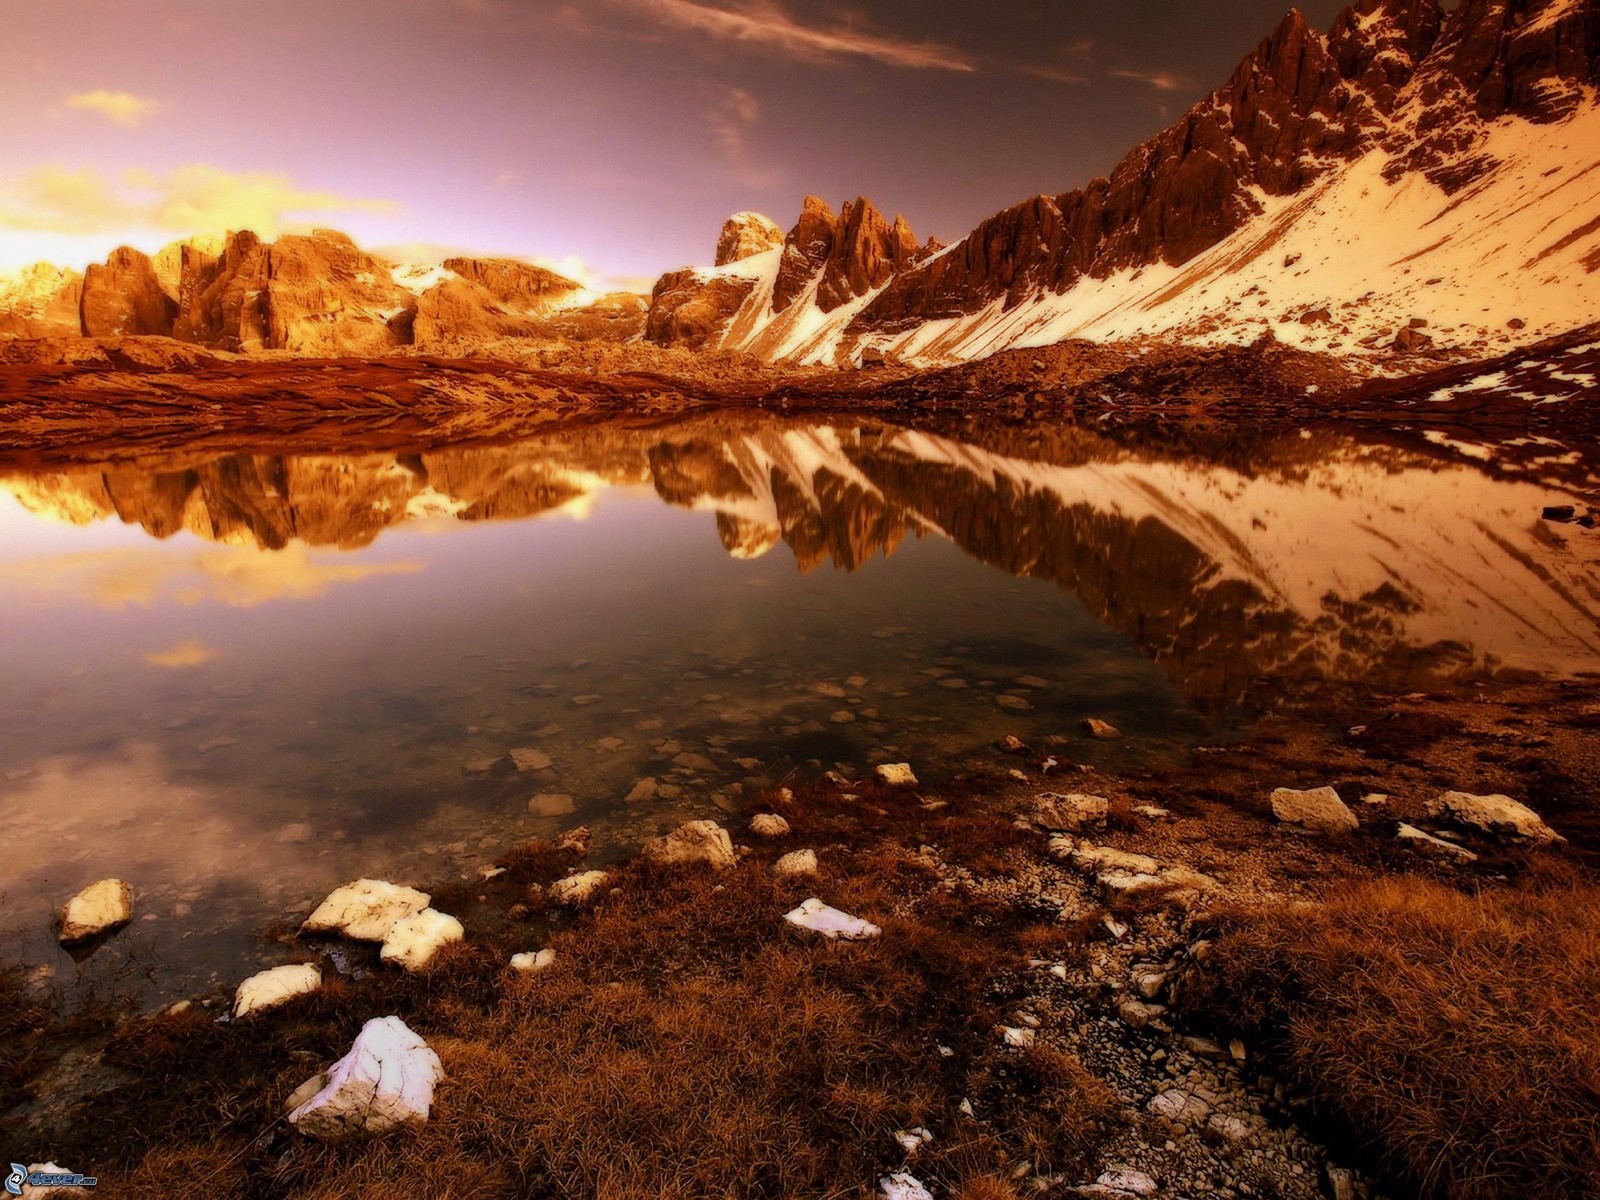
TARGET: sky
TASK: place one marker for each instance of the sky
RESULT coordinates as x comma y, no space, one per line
608,138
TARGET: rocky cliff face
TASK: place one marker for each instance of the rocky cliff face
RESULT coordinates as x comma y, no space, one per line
41,301
488,298
1425,90
745,234
124,298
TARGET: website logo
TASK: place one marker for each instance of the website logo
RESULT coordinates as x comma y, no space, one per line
50,1176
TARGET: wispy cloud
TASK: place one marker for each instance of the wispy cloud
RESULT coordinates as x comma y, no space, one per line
1161,81
121,108
196,198
191,653
768,25
733,113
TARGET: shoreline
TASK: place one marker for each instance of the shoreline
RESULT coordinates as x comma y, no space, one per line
993,911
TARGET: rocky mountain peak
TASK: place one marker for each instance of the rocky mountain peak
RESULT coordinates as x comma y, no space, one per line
124,297
805,248
745,234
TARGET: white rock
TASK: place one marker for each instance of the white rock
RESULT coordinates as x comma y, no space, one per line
769,825
1494,814
796,864
694,842
413,941
365,910
912,1140
386,1081
896,775
1422,838
1108,858
830,922
268,989
99,908
1317,809
1179,1105
532,962
578,888
1072,811
1125,1181
1014,1035
902,1186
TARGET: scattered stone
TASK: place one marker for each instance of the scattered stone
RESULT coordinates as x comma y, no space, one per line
1496,814
690,761
1099,859
532,962
610,744
1341,1182
694,842
642,790
1018,1037
1072,811
365,910
552,804
769,825
1317,809
901,1186
896,774
1375,798
480,766
1096,728
578,888
1152,811
1137,1014
1012,744
268,989
797,864
101,908
1121,1181
1234,1129
912,1140
526,758
1179,1105
575,841
1425,840
385,1082
1012,703
414,940
842,717
832,924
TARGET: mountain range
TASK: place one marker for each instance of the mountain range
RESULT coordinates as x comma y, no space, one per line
1411,183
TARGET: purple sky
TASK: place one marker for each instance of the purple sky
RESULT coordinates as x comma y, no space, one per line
615,132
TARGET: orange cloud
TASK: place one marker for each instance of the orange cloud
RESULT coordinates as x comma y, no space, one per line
121,108
191,653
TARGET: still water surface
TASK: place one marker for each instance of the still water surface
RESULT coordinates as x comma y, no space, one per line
239,681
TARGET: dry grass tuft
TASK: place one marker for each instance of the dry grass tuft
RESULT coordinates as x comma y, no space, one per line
1453,1032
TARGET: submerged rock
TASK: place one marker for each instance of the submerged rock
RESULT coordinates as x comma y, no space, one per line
268,989
552,804
818,917
694,842
99,909
578,888
1317,809
385,1082
642,790
526,758
1496,814
796,864
413,941
1073,811
365,910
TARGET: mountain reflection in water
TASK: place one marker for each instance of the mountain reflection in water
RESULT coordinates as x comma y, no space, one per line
240,680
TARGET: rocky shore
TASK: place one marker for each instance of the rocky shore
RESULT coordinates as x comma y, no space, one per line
1031,979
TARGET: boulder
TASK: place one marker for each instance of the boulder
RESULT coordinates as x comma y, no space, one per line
268,989
1073,812
797,864
1317,809
1423,840
385,1082
413,941
1495,814
365,910
578,888
769,825
99,909
832,924
896,775
694,842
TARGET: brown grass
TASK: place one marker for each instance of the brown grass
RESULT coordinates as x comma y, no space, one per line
1454,1033
688,1044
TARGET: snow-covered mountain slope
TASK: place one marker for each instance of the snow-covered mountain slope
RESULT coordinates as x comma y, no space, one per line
1411,180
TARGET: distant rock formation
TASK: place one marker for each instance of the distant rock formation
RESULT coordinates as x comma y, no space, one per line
124,298
41,301
745,234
